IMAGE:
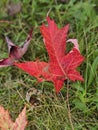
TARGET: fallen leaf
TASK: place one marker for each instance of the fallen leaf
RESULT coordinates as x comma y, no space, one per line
13,8
7,124
5,121
21,121
61,66
33,96
15,52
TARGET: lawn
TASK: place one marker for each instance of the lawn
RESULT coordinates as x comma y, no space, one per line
47,110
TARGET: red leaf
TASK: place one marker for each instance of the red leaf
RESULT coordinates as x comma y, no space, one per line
7,124
61,66
15,52
37,69
21,121
5,120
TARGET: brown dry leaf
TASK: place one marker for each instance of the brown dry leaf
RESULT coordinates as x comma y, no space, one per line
33,96
13,8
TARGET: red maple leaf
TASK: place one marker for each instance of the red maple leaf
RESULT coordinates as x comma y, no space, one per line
61,66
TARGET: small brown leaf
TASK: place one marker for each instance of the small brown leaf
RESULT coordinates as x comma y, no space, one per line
33,96
13,8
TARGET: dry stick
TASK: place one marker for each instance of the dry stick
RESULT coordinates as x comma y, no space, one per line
5,21
49,12
68,106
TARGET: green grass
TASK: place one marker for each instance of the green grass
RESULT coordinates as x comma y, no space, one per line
52,113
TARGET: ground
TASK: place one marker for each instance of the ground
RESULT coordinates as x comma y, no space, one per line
51,112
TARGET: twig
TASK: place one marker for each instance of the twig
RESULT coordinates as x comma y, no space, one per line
6,21
68,106
49,12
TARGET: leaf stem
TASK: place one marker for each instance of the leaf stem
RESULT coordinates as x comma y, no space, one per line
68,106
